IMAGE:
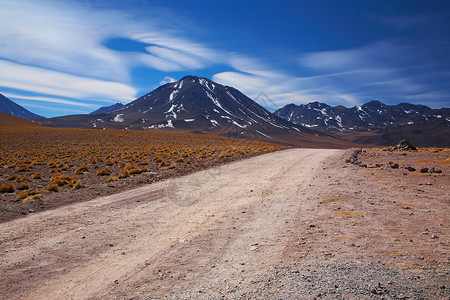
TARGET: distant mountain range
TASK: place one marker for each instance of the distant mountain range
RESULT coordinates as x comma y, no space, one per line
9,107
374,122
370,116
198,105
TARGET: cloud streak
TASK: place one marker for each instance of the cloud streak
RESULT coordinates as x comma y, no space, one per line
50,82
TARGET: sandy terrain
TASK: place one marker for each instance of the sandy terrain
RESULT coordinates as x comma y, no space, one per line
294,224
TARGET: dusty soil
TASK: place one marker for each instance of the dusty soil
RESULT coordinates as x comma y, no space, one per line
93,186
294,224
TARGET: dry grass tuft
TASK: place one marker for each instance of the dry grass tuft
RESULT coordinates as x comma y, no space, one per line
408,205
350,214
52,187
22,195
104,172
36,176
7,188
124,174
396,228
112,178
81,169
32,198
24,186
14,177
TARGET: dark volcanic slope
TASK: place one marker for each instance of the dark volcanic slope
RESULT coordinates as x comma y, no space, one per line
199,105
9,107
104,109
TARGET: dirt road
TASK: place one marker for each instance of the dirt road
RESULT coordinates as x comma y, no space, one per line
256,228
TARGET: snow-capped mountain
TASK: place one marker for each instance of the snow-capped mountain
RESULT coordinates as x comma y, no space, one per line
197,105
9,107
370,116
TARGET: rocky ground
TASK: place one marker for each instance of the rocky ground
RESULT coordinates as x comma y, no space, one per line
294,224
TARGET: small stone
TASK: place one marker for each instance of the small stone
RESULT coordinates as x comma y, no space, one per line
312,225
424,170
433,236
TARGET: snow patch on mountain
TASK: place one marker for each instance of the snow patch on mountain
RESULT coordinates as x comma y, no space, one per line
118,118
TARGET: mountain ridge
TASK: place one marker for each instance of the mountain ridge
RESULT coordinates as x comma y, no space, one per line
369,116
374,122
199,105
9,107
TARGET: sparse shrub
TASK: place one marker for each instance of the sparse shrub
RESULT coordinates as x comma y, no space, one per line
129,166
24,186
75,183
390,149
36,176
134,171
104,172
32,198
21,179
157,159
64,168
112,178
60,179
144,169
52,187
81,169
179,159
173,165
124,174
22,195
14,177
35,192
7,188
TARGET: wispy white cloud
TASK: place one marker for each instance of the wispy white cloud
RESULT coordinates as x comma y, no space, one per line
50,82
62,35
175,56
47,99
167,79
188,48
68,38
47,108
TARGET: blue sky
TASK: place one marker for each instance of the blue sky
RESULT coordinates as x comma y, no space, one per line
69,57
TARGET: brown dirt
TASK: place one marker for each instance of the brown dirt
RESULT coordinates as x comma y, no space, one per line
294,224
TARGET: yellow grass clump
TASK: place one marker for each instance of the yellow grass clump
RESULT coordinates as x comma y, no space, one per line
52,187
112,178
350,214
7,188
22,195
32,198
36,176
24,186
104,172
81,169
